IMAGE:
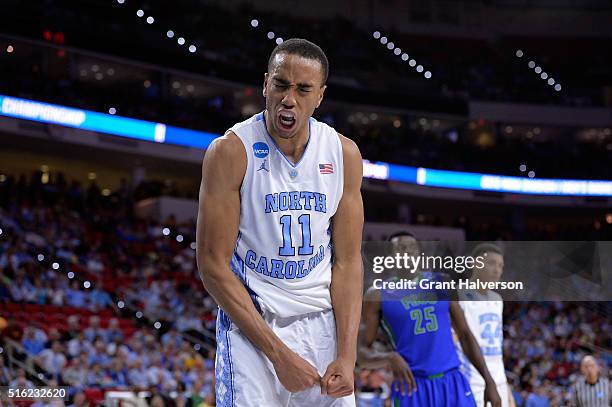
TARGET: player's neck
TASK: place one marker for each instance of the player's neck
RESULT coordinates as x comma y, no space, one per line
294,147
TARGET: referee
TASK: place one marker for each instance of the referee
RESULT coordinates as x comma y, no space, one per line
591,390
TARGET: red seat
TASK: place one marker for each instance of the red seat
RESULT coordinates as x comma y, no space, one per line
95,396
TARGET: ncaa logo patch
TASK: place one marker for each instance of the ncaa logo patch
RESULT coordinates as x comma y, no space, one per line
261,150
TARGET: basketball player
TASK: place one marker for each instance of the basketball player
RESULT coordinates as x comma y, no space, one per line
424,360
281,191
483,310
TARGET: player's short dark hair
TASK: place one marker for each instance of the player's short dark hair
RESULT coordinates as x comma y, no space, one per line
483,248
302,48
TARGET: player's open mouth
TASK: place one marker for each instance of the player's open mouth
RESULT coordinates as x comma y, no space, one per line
286,121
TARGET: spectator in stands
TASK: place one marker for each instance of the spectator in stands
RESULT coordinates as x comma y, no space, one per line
172,336
34,340
78,345
99,299
21,381
537,398
95,330
137,374
75,374
75,297
98,354
79,400
52,360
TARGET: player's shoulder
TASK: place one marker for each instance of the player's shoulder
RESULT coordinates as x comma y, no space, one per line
226,147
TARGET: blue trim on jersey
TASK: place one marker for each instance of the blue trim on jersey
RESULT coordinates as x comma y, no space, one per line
229,347
281,151
224,372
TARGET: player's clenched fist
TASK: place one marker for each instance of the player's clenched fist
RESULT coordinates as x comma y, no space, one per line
338,380
294,372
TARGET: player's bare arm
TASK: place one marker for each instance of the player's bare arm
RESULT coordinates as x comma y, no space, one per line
347,274
223,170
370,358
472,351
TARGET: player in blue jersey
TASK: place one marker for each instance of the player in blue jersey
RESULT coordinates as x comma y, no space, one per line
280,192
424,360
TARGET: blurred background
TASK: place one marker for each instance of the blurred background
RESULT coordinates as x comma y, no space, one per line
479,120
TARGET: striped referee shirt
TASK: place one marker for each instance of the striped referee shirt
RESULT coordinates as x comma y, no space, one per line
592,395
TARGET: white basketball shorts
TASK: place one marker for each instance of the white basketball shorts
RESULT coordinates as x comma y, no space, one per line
245,377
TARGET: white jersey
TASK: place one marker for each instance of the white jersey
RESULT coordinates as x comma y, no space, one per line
283,252
484,313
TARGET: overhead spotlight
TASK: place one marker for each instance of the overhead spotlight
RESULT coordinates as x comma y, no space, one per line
120,1
99,76
531,64
192,48
551,81
405,57
10,49
110,71
531,174
376,34
279,41
544,75
40,257
95,68
70,275
412,63
193,245
165,231
140,13
55,266
390,45
558,87
179,238
120,304
538,69
181,41
157,325
522,168
519,53
254,23
271,35
138,314
150,20
112,110
170,34
383,40
427,74
86,284
397,51
419,68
